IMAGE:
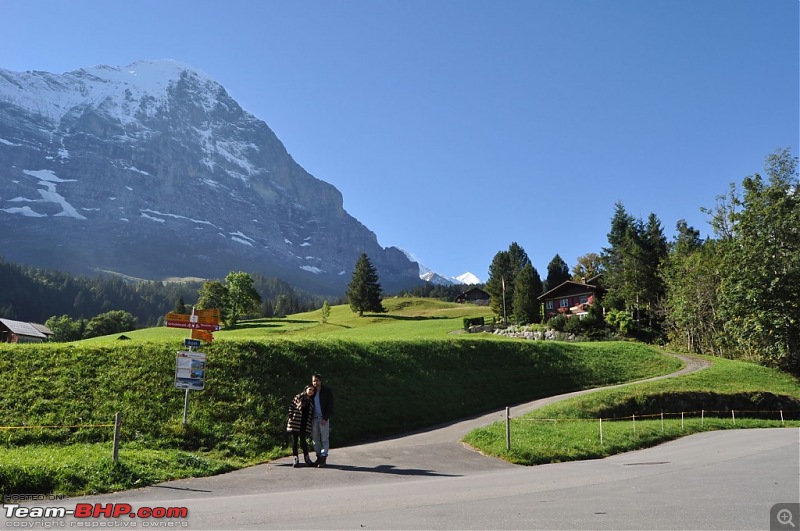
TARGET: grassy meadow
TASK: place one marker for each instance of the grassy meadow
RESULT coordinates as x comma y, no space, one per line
407,368
727,395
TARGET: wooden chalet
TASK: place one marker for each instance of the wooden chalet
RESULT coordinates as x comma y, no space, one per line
474,296
22,332
571,298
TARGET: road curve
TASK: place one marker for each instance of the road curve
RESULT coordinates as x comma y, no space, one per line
429,480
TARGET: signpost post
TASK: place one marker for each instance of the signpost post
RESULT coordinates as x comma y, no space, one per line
190,365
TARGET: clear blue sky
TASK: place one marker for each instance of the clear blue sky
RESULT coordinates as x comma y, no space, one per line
454,128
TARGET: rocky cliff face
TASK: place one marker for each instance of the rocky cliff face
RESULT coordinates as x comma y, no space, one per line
154,171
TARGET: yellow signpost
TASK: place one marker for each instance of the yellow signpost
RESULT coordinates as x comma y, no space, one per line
190,371
203,335
178,317
202,319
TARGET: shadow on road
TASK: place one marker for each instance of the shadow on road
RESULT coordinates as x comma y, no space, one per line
385,469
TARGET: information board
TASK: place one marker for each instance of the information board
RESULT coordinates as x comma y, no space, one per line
190,370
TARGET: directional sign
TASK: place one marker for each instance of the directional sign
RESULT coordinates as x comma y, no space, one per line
210,316
201,326
208,337
192,342
202,319
179,317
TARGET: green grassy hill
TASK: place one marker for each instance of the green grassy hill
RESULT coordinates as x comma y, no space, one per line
391,373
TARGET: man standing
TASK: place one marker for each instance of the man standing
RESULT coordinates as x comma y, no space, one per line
321,424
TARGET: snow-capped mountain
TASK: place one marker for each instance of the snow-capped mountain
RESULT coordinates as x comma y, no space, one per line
468,278
428,275
154,171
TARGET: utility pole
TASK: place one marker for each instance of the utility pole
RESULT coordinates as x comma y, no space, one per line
503,283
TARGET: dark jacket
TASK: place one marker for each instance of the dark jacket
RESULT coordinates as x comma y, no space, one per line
326,402
301,411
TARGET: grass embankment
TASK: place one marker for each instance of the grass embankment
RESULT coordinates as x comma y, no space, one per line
382,386
728,395
391,373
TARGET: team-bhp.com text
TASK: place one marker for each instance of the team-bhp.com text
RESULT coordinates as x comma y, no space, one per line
19,516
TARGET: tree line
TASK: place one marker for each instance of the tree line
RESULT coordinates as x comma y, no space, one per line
34,294
734,294
80,307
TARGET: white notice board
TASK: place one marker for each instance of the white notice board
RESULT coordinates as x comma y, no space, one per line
190,370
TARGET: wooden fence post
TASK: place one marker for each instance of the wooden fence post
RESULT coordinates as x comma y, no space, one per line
117,424
601,431
508,429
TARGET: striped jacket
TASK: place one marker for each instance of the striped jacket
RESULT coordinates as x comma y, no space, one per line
301,411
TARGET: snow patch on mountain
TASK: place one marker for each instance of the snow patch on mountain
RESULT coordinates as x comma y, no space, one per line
25,211
162,148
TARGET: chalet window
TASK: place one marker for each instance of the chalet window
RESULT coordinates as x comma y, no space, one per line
563,303
584,299
548,305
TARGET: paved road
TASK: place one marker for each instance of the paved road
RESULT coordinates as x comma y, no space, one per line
428,480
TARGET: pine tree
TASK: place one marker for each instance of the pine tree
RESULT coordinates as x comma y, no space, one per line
502,273
180,305
557,273
527,289
364,293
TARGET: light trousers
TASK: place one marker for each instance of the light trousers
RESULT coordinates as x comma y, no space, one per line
320,434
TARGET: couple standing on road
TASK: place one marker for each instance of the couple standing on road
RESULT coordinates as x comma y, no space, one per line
309,414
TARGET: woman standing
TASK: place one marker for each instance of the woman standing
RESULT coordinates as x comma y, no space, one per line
301,411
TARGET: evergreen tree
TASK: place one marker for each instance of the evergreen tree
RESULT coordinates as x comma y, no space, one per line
654,255
267,309
614,257
364,293
180,306
502,272
282,305
557,273
527,289
518,258
632,264
499,271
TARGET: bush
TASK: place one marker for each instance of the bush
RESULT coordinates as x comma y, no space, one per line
558,323
472,321
620,320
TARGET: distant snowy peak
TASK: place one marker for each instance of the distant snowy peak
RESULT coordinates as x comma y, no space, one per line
428,275
468,278
436,278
